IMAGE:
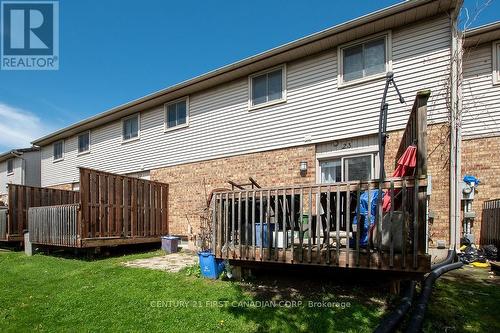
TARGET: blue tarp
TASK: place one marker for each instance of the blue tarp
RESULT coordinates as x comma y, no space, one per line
363,213
471,179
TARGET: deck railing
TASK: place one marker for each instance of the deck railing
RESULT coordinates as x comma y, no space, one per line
490,224
323,225
3,223
54,225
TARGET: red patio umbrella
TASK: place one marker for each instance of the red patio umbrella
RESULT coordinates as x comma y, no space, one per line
406,166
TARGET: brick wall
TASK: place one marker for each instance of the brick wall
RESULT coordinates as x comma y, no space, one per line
481,158
438,167
189,184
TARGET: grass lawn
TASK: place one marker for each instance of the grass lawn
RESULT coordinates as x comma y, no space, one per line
46,293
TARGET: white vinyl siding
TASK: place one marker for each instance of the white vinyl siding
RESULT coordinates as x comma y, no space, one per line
315,111
481,97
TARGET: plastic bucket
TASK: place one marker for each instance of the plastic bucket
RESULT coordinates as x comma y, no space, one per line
170,244
210,267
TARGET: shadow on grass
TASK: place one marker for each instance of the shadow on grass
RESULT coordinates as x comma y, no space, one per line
466,300
283,300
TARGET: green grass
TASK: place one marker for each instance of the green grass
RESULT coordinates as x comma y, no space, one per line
53,294
466,300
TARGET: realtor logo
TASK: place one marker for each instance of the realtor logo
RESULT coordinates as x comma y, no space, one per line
30,35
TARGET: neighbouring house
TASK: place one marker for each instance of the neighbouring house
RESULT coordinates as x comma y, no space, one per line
19,166
480,122
302,113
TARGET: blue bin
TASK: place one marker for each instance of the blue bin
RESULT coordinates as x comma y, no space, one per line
264,239
210,267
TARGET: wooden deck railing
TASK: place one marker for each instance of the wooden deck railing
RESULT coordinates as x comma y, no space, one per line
54,225
320,225
111,210
22,197
3,223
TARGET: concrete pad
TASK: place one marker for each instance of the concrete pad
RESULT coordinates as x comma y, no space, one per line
169,263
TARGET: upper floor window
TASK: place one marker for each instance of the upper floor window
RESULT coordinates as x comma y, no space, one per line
496,62
268,87
10,166
84,143
130,128
364,60
176,114
58,150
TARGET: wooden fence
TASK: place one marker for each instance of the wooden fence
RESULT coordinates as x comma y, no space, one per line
112,209
54,225
490,224
21,198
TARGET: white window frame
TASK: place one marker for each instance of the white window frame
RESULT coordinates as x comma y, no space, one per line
339,156
165,120
138,137
79,153
9,173
495,64
340,58
54,159
283,88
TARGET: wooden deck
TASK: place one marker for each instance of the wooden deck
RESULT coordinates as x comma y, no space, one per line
339,225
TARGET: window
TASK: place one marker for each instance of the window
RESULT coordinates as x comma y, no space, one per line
267,88
10,166
84,143
364,60
350,168
58,150
176,114
130,128
496,63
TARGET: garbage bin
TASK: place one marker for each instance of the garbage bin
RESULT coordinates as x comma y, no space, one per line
210,267
170,244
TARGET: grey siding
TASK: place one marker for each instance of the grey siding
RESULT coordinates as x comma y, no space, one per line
316,111
32,168
481,106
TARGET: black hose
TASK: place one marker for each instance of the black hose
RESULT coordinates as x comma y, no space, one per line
392,321
417,317
449,259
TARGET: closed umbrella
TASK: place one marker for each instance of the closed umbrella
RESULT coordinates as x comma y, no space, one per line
406,166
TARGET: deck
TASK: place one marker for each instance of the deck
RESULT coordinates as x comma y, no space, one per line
341,225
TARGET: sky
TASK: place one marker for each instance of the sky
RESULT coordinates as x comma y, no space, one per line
114,51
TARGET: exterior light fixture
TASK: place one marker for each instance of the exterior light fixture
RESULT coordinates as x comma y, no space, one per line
303,167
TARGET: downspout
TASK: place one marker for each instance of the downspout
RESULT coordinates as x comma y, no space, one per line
455,133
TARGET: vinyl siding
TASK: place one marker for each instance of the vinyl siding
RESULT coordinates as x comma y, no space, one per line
316,111
481,98
32,172
15,178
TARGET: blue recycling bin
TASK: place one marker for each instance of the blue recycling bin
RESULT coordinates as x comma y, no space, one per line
210,267
264,239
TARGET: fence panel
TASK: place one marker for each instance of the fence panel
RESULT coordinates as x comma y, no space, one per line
22,197
119,206
54,225
3,223
490,225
